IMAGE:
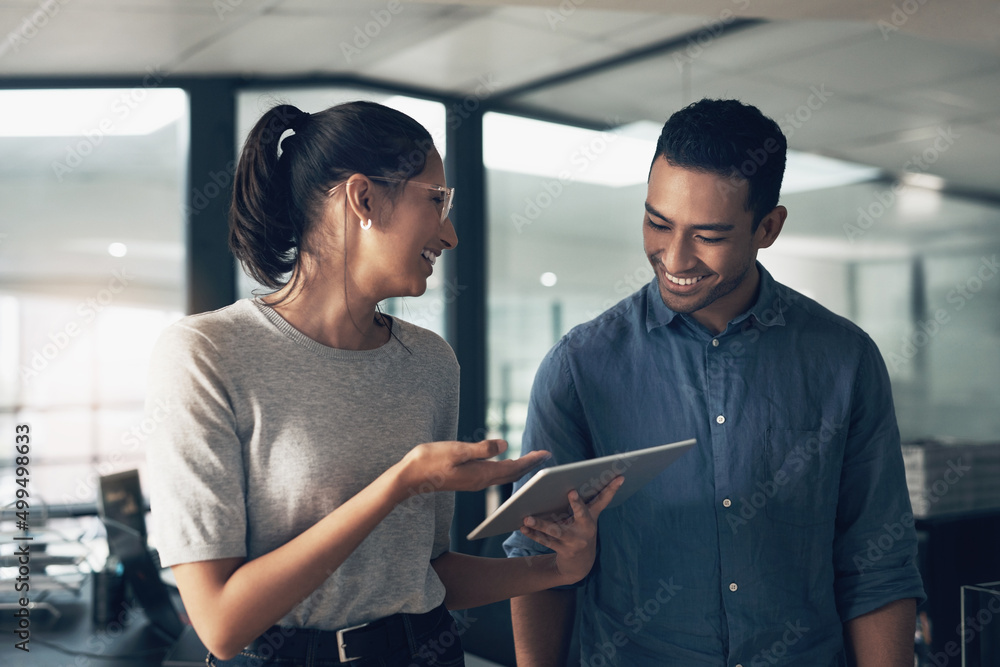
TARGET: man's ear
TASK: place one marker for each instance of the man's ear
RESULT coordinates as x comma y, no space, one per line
770,226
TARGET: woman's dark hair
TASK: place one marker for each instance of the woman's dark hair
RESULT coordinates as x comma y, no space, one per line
277,198
734,140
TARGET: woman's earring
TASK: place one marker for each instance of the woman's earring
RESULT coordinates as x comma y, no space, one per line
367,225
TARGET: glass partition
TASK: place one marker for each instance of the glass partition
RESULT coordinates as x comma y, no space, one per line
564,209
91,270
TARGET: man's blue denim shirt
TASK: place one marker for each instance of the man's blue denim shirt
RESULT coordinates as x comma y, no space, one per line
789,517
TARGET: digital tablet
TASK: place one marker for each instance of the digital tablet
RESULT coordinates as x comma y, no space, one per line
545,494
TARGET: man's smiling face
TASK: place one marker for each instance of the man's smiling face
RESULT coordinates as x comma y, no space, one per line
697,235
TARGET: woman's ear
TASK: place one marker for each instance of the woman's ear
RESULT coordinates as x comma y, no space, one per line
360,197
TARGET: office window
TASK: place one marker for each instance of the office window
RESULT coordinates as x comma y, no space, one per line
91,270
564,209
426,310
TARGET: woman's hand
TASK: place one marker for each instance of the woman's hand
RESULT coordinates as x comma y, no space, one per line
574,539
461,466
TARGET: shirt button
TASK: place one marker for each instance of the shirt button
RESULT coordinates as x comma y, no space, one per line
720,420
715,342
733,587
727,502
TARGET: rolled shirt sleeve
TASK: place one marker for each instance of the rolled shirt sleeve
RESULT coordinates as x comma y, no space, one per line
875,543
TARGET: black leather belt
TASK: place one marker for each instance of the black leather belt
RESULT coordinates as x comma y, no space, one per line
368,640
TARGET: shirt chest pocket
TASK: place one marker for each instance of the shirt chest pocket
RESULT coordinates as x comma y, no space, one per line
801,476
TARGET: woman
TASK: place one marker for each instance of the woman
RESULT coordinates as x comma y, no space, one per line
290,484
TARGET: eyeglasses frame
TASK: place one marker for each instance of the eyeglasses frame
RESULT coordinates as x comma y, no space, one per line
449,193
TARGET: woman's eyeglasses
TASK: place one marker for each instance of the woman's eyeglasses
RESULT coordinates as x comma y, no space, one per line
447,194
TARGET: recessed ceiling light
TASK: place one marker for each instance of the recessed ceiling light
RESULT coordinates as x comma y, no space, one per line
117,249
548,279
808,171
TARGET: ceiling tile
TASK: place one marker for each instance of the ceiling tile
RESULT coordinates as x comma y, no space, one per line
574,20
774,42
102,41
877,64
302,43
509,53
965,157
952,98
655,29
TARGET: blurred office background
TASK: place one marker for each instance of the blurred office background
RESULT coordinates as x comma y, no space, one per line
120,122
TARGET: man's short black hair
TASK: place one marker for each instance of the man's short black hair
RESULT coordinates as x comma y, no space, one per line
732,139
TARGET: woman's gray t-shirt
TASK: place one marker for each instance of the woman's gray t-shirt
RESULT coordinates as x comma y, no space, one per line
262,431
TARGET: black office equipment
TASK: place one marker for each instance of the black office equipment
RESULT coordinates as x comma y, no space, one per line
121,508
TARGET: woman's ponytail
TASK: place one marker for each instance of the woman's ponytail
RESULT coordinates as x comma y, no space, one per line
264,231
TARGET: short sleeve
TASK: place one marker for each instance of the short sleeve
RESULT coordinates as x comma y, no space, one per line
555,423
446,429
875,544
195,462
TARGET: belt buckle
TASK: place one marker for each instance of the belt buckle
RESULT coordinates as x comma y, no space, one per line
341,646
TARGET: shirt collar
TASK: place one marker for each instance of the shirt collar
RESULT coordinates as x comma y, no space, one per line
771,304
768,309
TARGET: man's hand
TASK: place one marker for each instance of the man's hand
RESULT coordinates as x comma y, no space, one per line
574,539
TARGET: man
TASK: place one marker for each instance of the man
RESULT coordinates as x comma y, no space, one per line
785,536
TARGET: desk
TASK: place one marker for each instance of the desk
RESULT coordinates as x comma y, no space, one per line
131,635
